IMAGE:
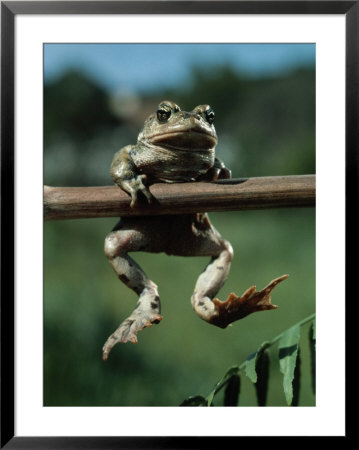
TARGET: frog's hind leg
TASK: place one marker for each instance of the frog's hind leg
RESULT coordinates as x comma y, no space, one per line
209,242
147,311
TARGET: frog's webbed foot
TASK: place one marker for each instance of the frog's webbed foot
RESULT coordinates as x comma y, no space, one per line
127,331
235,308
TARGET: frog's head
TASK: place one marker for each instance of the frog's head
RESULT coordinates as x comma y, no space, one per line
172,128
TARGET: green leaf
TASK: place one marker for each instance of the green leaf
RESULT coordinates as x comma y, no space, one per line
196,400
296,381
288,349
231,394
233,370
262,377
312,354
251,362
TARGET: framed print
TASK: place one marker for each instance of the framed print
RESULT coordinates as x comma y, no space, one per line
245,110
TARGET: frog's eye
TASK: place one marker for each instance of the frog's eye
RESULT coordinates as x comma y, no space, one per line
210,115
163,114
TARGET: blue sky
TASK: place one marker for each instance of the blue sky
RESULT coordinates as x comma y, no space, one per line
146,67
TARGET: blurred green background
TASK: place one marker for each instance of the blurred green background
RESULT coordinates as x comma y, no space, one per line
265,121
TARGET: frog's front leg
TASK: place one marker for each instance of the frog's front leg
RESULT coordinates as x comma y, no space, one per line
203,300
217,172
126,175
147,311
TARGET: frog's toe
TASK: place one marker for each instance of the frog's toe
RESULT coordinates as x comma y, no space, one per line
127,332
136,201
235,308
147,194
137,187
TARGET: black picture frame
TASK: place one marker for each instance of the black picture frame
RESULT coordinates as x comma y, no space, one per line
9,10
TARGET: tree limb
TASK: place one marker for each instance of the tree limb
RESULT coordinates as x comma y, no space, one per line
181,198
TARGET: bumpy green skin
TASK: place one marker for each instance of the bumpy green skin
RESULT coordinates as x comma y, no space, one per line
174,146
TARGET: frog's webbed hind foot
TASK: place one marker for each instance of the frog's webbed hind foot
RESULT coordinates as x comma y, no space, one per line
127,331
213,277
235,308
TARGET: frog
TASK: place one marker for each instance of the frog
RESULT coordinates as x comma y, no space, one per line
174,146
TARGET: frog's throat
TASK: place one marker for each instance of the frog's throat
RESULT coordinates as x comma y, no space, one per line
172,164
174,150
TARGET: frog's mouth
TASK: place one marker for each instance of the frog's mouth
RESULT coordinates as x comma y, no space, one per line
184,140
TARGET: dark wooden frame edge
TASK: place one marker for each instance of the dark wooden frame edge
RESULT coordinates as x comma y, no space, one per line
9,9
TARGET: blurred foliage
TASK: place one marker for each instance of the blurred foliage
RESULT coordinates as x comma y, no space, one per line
76,107
265,127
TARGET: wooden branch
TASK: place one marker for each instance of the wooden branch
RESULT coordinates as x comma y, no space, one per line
180,198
